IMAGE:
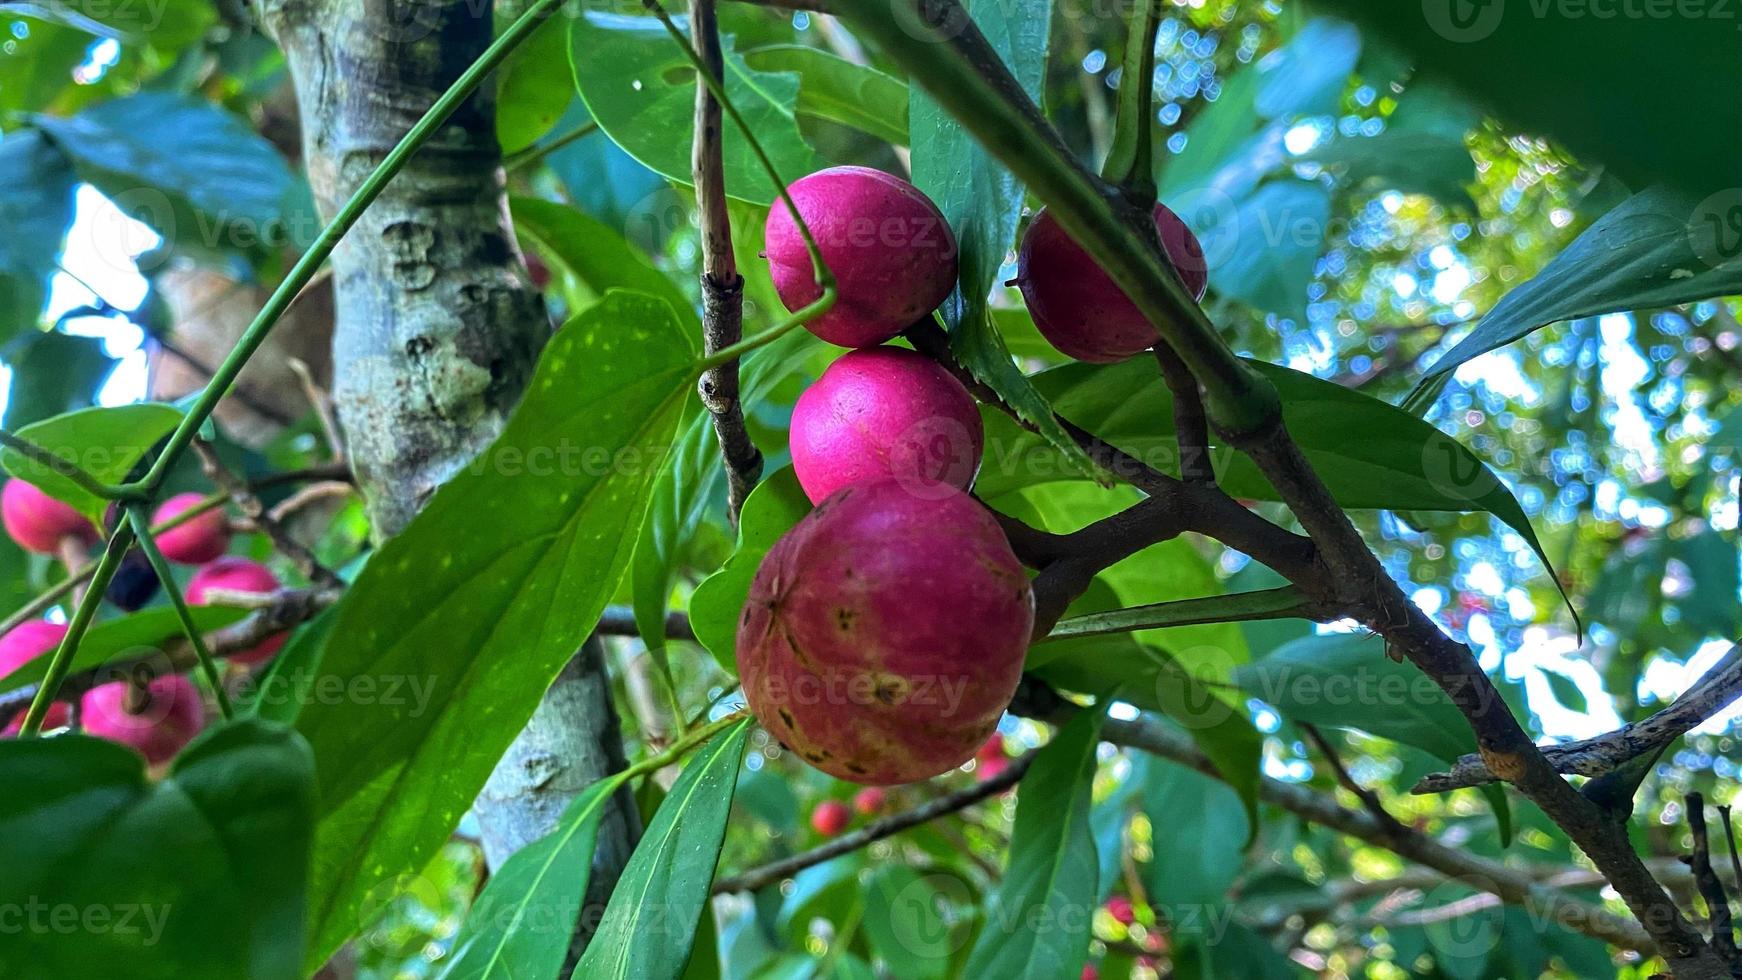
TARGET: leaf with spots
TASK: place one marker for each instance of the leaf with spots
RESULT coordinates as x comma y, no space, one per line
456,627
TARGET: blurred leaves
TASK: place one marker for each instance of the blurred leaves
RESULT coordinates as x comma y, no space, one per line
36,210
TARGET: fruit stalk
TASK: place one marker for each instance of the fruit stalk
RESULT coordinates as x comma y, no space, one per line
160,565
1130,162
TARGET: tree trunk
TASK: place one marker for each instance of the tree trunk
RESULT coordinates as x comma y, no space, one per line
436,333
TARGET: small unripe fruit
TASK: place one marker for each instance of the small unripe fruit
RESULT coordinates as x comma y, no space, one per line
196,542
1077,306
869,800
167,717
22,644
884,634
39,522
885,412
890,250
237,575
830,817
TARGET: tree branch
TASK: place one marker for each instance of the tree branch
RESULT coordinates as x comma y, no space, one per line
1706,880
1191,430
255,511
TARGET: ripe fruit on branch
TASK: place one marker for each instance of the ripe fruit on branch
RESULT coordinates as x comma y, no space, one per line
890,250
1076,305
884,634
196,542
830,817
882,412
237,575
991,759
39,522
869,800
156,719
22,644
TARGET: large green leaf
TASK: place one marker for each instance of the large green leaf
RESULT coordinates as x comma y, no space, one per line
1658,248
519,928
104,442
1307,76
1206,827
198,875
1038,923
35,211
905,920
596,254
983,202
639,85
53,373
833,88
137,634
772,509
1263,249
533,88
199,176
1370,454
484,598
650,922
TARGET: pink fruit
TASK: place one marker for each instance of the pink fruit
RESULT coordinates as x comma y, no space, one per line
884,634
1077,306
1090,973
881,412
890,250
869,800
39,522
1120,908
831,817
168,716
991,759
22,644
196,542
237,575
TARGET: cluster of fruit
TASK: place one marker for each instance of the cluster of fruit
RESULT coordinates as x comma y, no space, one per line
884,634
156,715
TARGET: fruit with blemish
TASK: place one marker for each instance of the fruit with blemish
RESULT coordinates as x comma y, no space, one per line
156,718
235,574
888,246
884,634
39,522
198,540
1078,308
885,412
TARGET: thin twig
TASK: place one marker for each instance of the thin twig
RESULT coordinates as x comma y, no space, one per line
255,512
1368,798
876,830
322,403
534,155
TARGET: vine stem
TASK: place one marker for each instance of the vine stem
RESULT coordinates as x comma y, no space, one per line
159,564
62,662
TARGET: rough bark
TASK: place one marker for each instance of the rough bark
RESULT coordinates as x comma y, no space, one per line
437,330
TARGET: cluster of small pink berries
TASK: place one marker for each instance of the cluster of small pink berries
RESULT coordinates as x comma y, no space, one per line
157,716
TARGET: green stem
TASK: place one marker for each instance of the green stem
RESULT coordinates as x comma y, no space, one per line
967,77
1130,162
311,260
160,565
62,662
727,354
1284,603
533,155
682,747
67,468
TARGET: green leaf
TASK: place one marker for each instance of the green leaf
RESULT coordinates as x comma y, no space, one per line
1658,248
905,920
137,634
833,88
1263,249
199,176
1421,150
1565,691
982,201
639,85
165,26
519,928
1037,925
771,510
104,442
36,210
197,876
596,254
279,693
1307,76
36,66
465,629
650,922
1206,828
1370,454
53,373
533,87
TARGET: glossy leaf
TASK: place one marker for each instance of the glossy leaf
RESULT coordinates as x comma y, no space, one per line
1262,250
197,876
104,442
650,922
36,210
533,88
640,87
833,88
519,928
596,254
1206,827
771,510
1037,925
904,919
1658,248
1308,74
983,202
1421,150
137,634
482,623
